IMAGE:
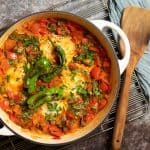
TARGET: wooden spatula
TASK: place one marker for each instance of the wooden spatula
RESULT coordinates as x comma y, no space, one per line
136,24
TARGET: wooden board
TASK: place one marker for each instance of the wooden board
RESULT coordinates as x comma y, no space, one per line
136,24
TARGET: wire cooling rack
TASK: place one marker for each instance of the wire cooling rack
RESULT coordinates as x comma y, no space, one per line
138,104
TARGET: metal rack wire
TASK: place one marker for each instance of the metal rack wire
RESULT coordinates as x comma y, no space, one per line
138,105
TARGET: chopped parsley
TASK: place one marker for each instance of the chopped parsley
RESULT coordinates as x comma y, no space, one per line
52,27
26,115
96,89
81,90
53,107
11,102
54,111
73,74
7,78
11,62
30,41
50,117
87,57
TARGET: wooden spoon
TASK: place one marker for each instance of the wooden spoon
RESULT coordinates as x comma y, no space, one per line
136,24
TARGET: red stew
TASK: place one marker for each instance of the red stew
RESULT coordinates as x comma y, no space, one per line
54,76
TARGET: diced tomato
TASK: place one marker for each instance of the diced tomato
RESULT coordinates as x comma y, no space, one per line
10,44
93,48
69,115
1,55
55,81
73,27
13,96
95,72
97,61
4,104
4,65
11,55
45,127
10,94
17,109
106,63
77,37
85,40
102,52
93,101
54,130
89,117
14,118
19,44
104,87
17,97
89,86
79,100
102,103
59,32
43,22
30,51
78,34
72,66
43,30
79,51
38,118
26,124
104,77
41,83
72,124
35,28
56,137
52,20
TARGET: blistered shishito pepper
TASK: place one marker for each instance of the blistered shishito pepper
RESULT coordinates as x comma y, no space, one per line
31,83
57,70
41,67
45,96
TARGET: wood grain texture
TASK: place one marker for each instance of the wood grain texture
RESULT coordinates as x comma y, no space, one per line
136,24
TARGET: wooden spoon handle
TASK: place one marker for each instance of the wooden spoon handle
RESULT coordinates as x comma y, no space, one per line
121,113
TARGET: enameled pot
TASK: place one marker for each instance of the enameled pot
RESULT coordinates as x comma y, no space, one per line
117,67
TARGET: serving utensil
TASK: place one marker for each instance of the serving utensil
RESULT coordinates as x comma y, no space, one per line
136,24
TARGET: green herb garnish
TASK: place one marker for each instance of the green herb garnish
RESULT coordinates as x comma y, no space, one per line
96,89
7,78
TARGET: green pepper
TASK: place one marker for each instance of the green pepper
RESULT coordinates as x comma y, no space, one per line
30,41
50,76
42,66
61,55
87,58
60,52
41,102
96,90
58,69
44,96
31,83
42,69
52,27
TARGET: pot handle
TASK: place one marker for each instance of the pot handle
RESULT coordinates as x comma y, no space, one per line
101,24
5,131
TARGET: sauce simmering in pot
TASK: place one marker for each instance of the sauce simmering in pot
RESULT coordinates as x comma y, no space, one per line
54,76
